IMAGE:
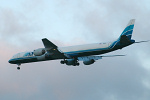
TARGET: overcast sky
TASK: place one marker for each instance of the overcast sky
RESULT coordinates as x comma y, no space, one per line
23,23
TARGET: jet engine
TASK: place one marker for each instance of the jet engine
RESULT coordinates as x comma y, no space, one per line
70,62
88,62
39,52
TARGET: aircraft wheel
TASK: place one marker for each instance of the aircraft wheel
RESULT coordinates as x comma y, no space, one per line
18,68
78,64
74,64
62,62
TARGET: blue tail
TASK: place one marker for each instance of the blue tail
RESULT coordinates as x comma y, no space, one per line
128,30
125,37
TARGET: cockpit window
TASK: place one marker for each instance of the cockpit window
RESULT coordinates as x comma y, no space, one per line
23,54
16,56
28,54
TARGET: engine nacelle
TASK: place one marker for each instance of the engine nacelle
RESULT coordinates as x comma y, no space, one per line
88,62
39,52
70,62
41,58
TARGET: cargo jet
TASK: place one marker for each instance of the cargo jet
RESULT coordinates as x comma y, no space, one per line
73,54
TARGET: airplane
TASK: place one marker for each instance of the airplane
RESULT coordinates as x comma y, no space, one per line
73,54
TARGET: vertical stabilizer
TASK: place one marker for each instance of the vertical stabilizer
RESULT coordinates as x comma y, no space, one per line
129,29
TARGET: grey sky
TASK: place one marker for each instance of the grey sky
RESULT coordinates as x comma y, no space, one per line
65,22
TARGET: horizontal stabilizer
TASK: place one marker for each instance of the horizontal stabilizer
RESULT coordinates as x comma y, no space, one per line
142,41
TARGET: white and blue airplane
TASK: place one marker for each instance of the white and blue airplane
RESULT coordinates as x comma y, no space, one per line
73,54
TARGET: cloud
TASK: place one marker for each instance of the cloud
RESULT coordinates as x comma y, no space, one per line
118,78
12,23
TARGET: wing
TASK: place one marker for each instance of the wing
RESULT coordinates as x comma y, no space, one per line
89,58
86,58
48,44
52,50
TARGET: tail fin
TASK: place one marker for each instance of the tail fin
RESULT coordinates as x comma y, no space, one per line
128,30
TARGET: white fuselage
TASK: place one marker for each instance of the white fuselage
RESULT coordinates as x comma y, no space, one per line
87,47
70,50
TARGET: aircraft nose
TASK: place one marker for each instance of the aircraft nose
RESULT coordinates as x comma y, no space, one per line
10,61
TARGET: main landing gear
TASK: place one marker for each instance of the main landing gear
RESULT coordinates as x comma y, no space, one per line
63,61
18,66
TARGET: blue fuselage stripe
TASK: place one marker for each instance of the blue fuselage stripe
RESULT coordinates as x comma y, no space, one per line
23,59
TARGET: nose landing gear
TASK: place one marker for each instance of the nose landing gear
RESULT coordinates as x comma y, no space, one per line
18,66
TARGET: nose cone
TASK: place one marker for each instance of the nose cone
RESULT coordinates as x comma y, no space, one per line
10,61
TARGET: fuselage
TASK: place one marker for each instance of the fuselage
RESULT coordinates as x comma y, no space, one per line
71,51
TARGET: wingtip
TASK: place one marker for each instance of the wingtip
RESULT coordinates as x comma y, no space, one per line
44,38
